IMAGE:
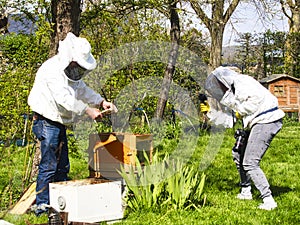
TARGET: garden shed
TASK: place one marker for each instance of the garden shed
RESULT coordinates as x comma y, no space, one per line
287,90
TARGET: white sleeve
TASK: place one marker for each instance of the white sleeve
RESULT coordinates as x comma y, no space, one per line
88,95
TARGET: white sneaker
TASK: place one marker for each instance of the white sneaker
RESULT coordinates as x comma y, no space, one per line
245,193
269,203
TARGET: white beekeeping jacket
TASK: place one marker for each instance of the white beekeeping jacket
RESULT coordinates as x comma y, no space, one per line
244,95
54,95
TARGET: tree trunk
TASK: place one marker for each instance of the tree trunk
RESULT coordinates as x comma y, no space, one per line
215,25
36,161
3,24
216,33
65,18
293,49
292,44
175,38
294,19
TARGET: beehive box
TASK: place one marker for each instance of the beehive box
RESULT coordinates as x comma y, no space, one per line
88,200
109,151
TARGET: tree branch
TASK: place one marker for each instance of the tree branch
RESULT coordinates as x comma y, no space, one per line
230,10
200,13
284,10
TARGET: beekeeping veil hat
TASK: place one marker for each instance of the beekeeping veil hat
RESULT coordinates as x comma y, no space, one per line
220,80
217,84
76,49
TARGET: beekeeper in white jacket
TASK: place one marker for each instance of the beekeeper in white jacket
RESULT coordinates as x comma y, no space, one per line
259,111
57,96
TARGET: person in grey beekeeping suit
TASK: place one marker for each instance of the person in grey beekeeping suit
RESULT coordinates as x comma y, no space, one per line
241,96
59,95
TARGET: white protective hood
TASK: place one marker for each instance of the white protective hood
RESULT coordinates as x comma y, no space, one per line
76,49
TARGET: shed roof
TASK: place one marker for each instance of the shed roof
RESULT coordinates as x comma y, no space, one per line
275,77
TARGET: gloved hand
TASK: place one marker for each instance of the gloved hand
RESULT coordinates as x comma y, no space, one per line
237,115
204,107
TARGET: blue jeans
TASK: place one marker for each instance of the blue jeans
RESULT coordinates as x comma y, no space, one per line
248,162
54,165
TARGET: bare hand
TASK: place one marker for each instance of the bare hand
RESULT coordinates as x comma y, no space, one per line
109,105
93,113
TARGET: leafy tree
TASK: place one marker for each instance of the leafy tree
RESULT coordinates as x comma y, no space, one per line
273,51
169,9
261,54
127,22
22,56
193,40
246,51
108,27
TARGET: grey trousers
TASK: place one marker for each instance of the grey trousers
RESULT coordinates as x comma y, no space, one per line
248,162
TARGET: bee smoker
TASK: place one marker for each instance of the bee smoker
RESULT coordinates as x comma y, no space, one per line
54,217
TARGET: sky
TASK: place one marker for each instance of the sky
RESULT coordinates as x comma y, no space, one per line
246,19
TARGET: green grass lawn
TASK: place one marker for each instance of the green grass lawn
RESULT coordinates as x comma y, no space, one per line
282,168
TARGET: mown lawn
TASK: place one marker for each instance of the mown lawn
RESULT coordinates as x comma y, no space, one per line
281,165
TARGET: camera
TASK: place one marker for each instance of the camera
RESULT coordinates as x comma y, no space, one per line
241,138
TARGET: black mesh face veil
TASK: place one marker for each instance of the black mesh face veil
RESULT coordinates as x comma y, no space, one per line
75,72
214,87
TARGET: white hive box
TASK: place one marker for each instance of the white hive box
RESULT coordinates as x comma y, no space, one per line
87,200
